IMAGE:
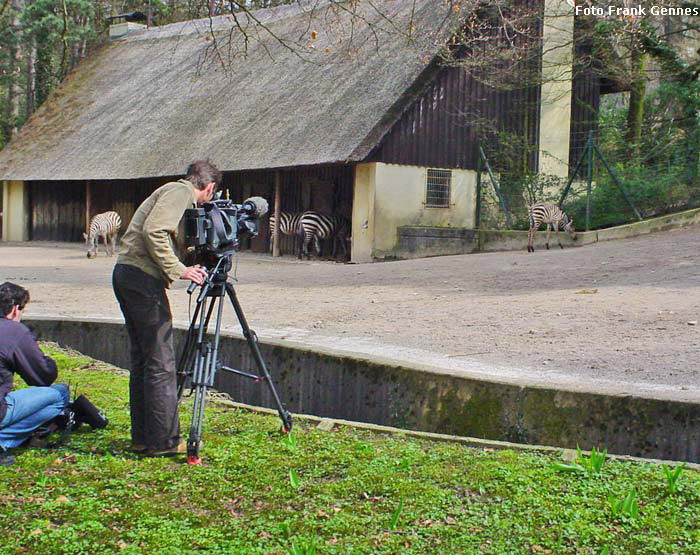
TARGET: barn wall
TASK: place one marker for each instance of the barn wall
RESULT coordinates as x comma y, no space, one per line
122,196
57,210
392,196
441,129
473,103
585,101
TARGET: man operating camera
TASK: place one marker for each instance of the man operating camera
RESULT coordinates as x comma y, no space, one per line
23,411
146,266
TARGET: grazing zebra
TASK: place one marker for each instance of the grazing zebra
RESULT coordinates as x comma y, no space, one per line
289,223
316,226
105,225
554,217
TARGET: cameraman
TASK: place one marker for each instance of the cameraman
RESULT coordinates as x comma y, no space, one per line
146,266
24,410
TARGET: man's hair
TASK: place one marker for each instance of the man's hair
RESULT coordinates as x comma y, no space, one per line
12,295
203,172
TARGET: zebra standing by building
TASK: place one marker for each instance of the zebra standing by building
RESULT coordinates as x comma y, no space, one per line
554,217
105,225
289,224
317,226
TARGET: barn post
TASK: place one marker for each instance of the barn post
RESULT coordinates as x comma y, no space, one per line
16,215
278,210
87,206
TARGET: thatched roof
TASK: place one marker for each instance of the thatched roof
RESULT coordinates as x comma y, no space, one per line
153,102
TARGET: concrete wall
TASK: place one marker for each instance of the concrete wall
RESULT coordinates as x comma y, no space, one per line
419,242
388,196
380,391
555,110
120,30
15,216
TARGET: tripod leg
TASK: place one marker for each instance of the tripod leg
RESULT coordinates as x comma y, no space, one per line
203,378
187,358
252,340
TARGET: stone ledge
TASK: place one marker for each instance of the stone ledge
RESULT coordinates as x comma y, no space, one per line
384,392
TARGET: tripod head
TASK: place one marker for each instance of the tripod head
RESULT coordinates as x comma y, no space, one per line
221,265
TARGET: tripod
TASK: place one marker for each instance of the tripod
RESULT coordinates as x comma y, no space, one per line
199,360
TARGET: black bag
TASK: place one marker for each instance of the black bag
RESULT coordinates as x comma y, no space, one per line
88,413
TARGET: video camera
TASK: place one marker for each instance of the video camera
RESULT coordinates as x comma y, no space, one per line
217,227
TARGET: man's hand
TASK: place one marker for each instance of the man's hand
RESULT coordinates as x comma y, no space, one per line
195,274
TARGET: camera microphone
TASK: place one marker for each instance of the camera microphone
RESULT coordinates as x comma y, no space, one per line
255,206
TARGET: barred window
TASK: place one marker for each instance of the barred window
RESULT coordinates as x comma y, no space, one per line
438,187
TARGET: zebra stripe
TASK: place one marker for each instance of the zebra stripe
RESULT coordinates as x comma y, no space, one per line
317,226
289,224
555,218
107,226
289,221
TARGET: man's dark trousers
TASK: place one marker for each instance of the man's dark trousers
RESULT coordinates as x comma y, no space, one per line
155,423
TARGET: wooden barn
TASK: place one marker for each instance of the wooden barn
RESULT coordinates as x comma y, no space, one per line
340,117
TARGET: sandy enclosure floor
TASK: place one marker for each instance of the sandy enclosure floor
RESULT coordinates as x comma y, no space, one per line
620,316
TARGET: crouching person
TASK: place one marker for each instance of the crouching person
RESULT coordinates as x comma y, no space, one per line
24,410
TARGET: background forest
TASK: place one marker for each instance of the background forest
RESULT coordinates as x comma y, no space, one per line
647,127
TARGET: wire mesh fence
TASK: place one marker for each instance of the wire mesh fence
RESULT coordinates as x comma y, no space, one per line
609,183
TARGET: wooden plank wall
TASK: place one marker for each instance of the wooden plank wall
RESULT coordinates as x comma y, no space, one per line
327,189
585,101
57,210
462,106
122,196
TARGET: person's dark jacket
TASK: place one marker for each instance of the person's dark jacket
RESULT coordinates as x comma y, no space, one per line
19,353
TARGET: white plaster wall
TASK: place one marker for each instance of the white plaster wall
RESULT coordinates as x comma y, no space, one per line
399,200
555,111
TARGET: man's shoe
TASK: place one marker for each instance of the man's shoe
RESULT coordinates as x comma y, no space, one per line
138,448
5,458
179,449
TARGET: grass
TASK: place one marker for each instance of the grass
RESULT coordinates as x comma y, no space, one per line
346,491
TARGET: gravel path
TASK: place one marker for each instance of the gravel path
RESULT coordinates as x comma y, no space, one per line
618,315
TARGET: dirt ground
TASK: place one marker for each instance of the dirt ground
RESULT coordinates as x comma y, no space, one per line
620,316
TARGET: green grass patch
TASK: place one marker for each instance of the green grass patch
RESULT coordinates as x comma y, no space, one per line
347,491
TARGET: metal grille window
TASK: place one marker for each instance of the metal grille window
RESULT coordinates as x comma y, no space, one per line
438,187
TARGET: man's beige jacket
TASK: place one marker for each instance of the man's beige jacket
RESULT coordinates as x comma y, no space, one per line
149,241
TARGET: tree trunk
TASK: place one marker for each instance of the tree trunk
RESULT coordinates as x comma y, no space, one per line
31,81
43,69
635,113
13,106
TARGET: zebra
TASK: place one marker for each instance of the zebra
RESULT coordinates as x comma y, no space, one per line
105,225
317,226
554,217
289,224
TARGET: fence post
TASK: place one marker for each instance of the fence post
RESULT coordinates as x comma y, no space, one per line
496,188
277,211
477,214
589,175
